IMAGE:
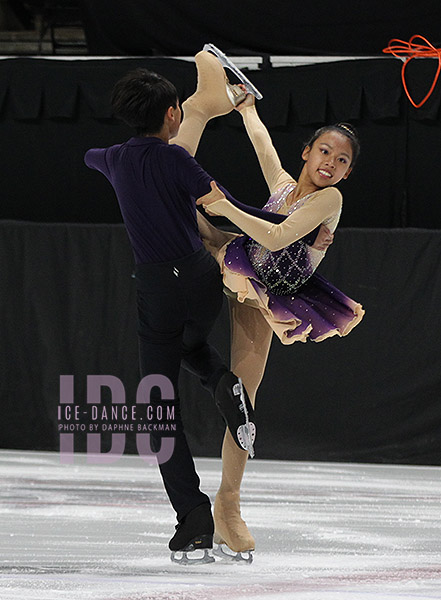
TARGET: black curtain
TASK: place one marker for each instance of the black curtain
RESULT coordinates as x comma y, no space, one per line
140,27
66,292
51,112
68,305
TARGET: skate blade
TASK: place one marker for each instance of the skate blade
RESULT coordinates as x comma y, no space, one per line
226,62
246,434
181,557
239,557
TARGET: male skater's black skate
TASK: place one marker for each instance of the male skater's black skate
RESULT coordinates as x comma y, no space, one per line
194,532
234,405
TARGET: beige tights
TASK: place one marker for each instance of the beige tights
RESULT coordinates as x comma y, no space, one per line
209,100
250,343
250,333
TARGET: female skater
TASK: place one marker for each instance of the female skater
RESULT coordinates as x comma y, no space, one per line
270,276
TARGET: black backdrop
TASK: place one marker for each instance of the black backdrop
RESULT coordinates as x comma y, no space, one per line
68,304
140,27
53,111
66,295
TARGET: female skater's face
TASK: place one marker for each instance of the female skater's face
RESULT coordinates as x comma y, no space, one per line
329,159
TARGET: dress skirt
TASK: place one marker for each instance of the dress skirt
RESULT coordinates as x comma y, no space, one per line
316,311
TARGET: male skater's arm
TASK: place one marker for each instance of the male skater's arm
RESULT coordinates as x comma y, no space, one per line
322,205
196,181
96,158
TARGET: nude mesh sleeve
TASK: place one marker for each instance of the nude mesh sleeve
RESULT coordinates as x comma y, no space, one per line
323,205
275,175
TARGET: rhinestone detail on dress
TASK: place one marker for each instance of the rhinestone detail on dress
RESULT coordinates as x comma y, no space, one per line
283,271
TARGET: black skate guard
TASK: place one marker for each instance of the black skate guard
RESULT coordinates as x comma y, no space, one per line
235,407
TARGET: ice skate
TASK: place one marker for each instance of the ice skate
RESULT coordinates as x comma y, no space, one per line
193,534
228,63
235,407
214,96
234,541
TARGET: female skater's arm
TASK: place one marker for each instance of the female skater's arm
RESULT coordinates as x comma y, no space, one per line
197,182
318,208
212,236
275,175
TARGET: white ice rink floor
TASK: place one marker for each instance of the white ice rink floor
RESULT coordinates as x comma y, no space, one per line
324,531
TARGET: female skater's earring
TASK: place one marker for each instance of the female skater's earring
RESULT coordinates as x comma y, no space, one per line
235,93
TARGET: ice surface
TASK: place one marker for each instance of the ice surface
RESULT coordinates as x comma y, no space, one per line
324,531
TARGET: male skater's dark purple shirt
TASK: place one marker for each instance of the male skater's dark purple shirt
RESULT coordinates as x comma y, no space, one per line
156,185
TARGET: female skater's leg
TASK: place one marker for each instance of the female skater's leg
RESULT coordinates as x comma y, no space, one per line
210,100
250,343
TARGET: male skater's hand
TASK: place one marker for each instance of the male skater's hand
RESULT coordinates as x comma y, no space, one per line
210,198
324,239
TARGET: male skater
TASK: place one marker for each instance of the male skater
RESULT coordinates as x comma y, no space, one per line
179,286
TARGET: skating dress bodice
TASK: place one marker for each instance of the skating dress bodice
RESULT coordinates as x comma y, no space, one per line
285,271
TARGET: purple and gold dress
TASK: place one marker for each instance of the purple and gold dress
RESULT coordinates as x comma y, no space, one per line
297,302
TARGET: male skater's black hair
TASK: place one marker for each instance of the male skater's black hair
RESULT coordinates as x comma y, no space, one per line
141,99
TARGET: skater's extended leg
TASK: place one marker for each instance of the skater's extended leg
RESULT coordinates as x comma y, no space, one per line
201,359
250,343
210,100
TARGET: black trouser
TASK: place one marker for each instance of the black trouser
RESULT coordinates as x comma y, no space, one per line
178,303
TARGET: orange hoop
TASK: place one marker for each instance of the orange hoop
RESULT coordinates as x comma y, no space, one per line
398,47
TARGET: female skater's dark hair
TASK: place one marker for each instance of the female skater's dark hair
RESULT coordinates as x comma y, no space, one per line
345,129
141,99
